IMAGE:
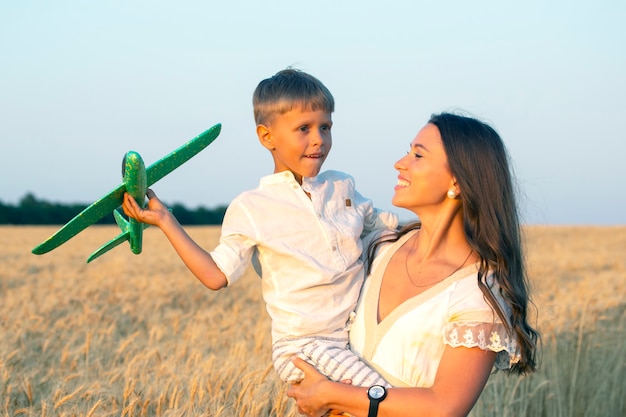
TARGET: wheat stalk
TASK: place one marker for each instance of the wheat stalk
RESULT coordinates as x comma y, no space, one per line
193,390
28,390
144,408
93,409
128,410
67,398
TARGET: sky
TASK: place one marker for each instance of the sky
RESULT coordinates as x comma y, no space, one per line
82,83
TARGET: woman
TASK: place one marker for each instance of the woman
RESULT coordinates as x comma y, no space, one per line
446,297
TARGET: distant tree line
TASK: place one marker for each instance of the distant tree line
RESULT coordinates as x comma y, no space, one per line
32,211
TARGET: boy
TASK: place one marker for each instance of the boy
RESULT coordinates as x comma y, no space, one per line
299,228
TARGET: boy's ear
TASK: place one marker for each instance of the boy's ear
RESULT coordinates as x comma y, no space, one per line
265,137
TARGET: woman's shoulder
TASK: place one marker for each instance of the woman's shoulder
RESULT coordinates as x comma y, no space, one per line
385,242
378,234
472,321
465,292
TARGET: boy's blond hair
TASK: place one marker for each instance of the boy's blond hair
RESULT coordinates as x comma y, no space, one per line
289,89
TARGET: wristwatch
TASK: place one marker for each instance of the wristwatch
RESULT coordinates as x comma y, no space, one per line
376,393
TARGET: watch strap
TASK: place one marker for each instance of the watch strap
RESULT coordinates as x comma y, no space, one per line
373,412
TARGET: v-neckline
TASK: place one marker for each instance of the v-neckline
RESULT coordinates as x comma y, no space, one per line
427,294
376,330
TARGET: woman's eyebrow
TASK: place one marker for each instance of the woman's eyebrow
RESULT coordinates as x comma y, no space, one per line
419,145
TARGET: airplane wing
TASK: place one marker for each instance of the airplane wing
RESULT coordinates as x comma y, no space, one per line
173,160
119,239
84,219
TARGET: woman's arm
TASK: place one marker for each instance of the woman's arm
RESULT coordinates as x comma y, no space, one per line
461,377
199,261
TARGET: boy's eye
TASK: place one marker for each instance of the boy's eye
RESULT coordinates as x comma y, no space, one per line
326,127
303,128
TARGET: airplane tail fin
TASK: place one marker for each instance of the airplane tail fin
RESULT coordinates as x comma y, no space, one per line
124,226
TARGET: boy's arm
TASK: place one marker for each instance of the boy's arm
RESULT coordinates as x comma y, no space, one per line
199,261
375,219
382,219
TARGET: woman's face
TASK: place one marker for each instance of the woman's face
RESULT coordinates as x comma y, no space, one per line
423,174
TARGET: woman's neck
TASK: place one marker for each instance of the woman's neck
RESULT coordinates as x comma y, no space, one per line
442,234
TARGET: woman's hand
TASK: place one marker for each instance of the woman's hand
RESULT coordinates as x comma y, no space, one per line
309,393
153,214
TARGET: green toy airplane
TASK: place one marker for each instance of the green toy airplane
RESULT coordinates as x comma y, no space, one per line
136,181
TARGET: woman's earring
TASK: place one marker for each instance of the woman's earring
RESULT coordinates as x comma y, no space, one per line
451,194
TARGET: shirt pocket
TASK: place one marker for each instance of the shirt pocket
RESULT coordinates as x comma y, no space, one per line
345,217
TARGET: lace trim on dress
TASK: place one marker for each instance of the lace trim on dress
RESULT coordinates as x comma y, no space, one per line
486,336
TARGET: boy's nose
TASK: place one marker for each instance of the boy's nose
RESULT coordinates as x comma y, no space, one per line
319,137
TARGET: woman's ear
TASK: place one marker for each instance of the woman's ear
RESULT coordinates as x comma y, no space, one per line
265,137
454,191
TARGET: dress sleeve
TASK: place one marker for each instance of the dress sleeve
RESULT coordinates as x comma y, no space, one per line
473,323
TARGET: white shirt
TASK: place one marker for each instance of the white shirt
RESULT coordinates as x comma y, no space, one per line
307,249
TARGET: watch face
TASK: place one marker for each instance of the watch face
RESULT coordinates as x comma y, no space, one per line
376,392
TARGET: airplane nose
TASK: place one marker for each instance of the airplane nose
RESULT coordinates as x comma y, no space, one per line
124,165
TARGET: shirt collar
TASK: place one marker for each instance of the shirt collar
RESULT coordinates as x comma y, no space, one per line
286,177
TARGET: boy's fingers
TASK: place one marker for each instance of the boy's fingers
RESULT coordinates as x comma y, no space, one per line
132,202
133,207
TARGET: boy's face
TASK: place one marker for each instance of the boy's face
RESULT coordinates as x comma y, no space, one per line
299,141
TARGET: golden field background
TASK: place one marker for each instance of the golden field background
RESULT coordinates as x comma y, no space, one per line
135,335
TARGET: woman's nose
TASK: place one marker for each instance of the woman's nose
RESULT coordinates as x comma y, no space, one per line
400,163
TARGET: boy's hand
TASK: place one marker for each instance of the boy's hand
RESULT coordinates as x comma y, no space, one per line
153,214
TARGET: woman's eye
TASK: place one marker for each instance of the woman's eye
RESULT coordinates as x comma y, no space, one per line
416,155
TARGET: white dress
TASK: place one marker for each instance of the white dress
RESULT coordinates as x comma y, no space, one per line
407,345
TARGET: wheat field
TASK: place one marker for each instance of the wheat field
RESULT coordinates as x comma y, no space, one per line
132,335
